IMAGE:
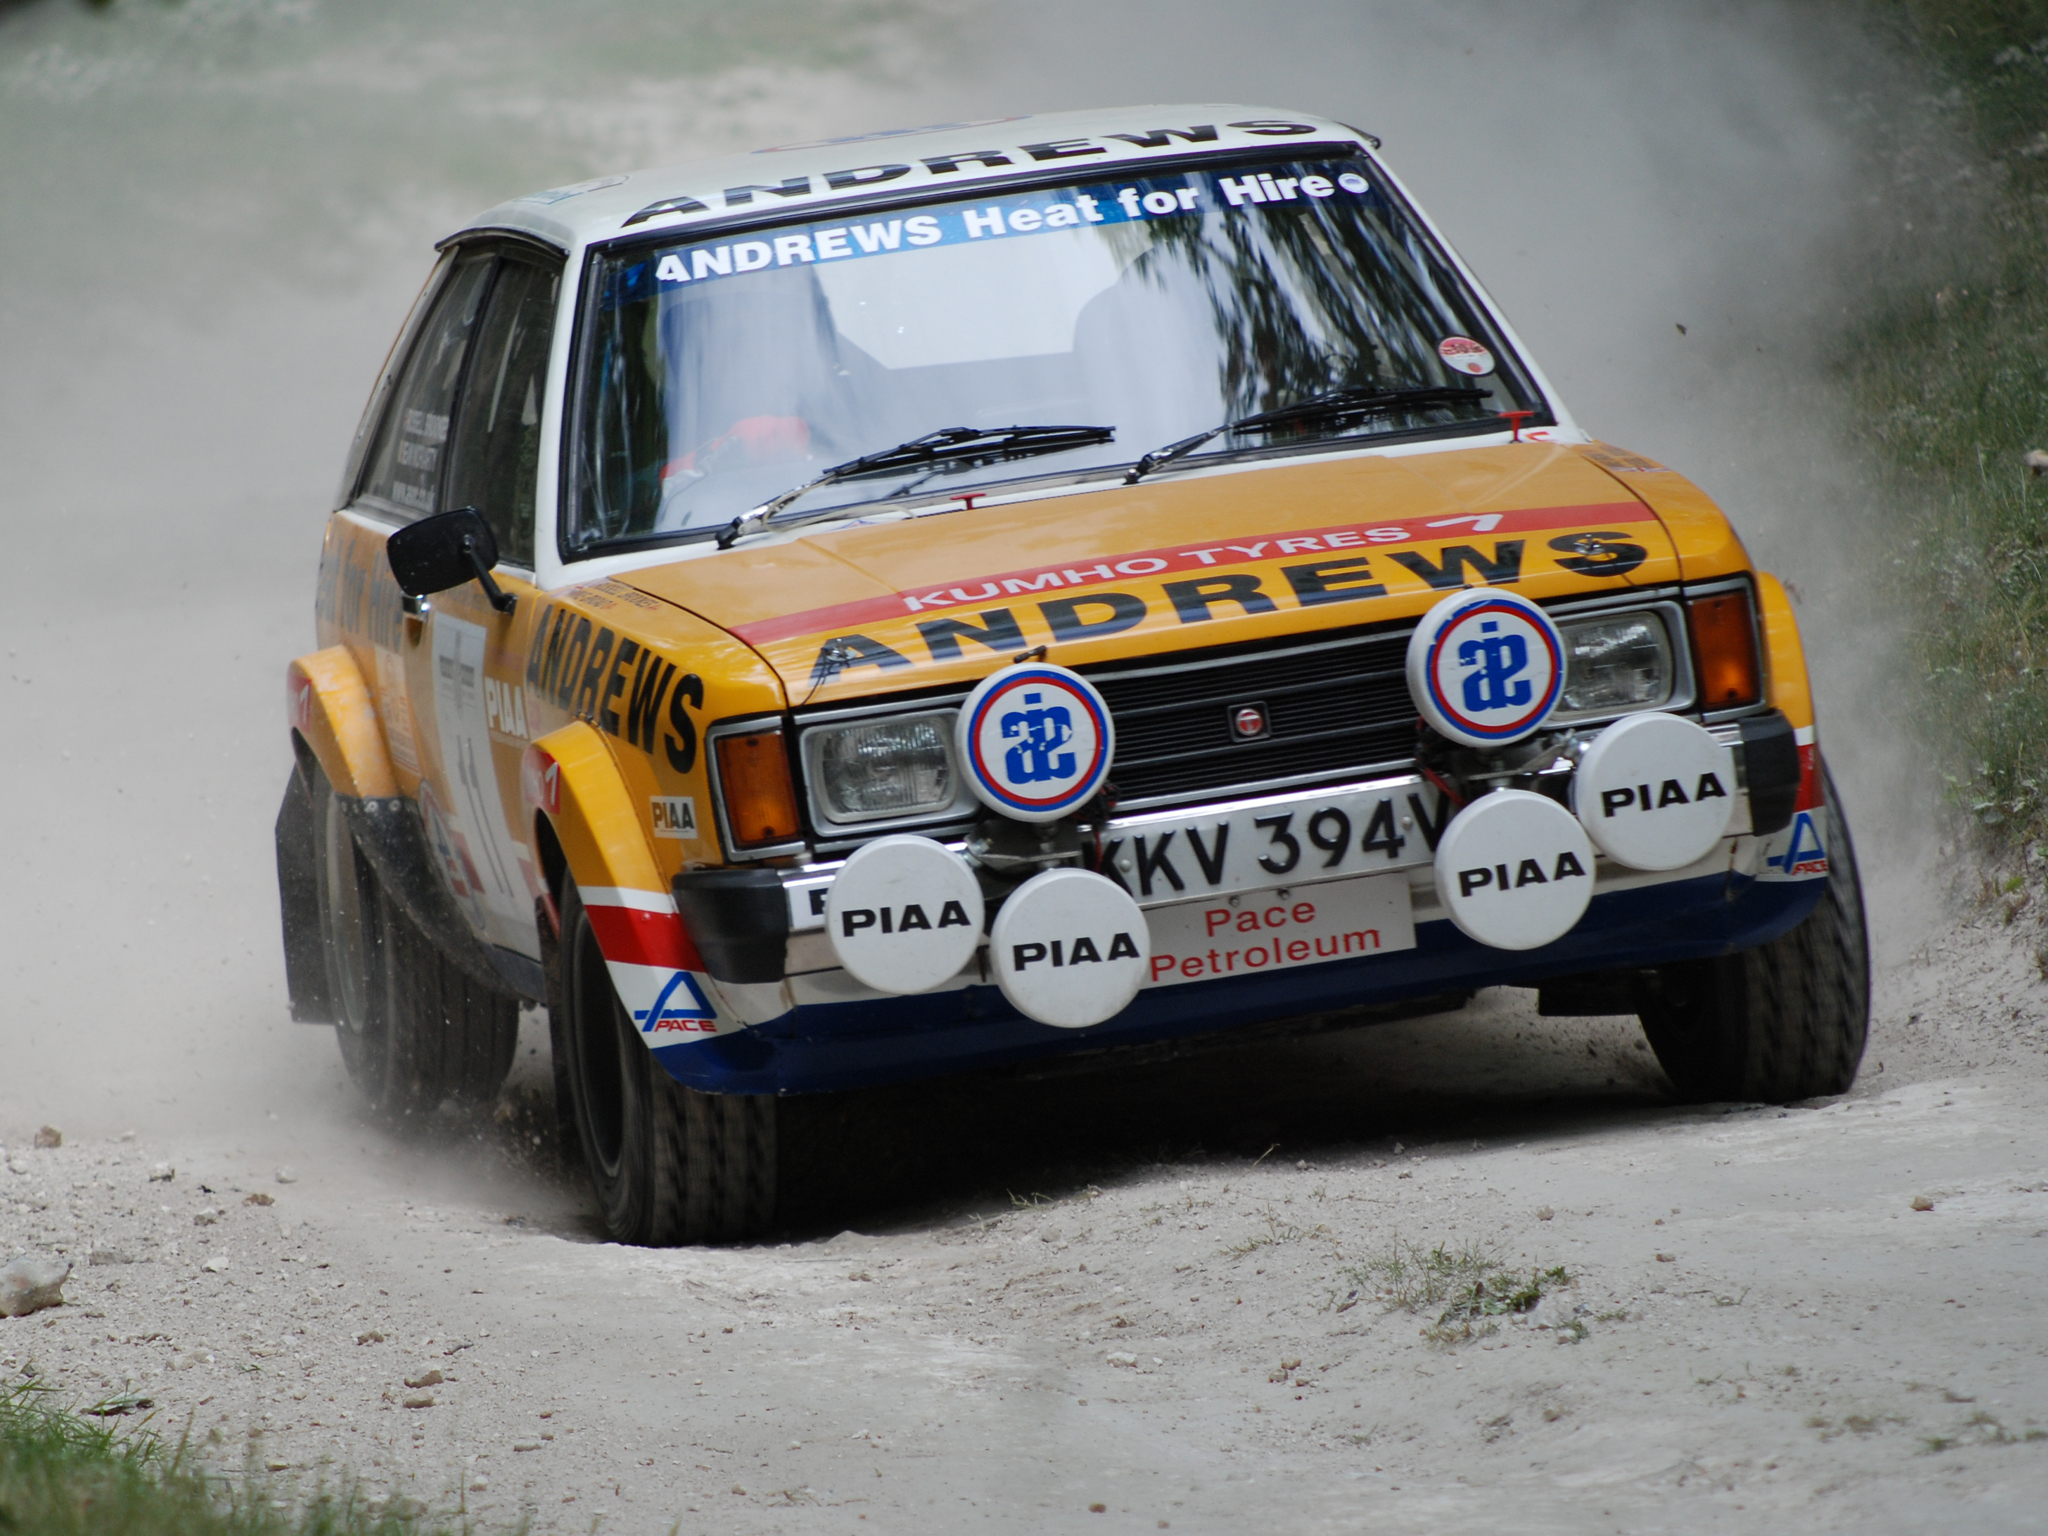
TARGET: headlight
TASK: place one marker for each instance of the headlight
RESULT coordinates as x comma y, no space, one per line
883,768
1616,664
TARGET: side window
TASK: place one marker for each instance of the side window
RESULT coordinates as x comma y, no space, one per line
405,464
496,459
387,378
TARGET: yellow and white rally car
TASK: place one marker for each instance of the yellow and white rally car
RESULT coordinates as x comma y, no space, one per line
880,607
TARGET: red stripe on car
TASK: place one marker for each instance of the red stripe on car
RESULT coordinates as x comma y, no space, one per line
644,938
1097,570
1812,789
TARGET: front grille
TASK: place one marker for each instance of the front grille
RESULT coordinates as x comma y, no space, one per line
1333,707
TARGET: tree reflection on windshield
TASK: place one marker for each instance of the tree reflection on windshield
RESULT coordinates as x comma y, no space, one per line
719,372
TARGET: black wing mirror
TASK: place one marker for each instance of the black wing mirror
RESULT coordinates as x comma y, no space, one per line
444,551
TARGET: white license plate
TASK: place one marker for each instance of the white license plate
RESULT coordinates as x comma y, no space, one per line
1274,840
1253,932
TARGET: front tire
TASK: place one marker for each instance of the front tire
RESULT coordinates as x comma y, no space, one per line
669,1165
1784,1021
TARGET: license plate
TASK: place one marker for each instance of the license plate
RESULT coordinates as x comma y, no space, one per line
1246,845
1275,840
1258,931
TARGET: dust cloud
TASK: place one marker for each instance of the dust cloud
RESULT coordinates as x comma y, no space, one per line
219,210
1680,209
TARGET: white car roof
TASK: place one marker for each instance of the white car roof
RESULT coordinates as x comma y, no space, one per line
827,172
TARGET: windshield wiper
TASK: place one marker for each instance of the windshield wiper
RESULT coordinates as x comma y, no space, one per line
948,445
1355,403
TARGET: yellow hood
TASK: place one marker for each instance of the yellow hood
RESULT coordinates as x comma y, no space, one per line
1130,570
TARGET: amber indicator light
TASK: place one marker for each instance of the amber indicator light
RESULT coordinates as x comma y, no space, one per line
753,776
1724,645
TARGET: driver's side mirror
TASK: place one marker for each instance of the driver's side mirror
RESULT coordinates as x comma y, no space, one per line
444,551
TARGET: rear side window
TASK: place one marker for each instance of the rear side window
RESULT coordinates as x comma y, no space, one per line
405,465
496,460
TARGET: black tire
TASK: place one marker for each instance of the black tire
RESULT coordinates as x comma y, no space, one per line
669,1165
464,1034
1781,1022
413,1028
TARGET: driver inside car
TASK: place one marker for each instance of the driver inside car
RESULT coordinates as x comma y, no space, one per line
763,428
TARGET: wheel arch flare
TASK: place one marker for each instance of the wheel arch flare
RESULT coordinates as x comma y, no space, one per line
573,788
332,712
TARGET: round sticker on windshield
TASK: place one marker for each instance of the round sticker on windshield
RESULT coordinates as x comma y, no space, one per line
1465,355
1351,181
1036,742
1485,667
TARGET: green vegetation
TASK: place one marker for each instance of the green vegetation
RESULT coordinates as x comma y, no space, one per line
1952,381
1467,1287
1980,1428
65,1475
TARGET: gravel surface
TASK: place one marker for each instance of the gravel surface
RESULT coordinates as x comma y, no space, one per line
1149,1288
1121,1290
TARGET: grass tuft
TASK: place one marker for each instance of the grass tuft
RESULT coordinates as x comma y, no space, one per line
1277,1231
64,1475
1467,1287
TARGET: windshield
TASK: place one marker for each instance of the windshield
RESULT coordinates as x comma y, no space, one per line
718,373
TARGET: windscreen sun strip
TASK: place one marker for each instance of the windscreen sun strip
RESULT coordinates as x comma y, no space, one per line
1269,279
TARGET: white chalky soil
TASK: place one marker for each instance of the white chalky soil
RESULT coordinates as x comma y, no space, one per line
1813,1350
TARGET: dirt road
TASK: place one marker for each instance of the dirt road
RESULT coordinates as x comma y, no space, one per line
1110,1293
171,417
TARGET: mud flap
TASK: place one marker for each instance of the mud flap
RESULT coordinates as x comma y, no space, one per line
298,904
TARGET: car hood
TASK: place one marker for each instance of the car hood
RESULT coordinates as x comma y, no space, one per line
1262,551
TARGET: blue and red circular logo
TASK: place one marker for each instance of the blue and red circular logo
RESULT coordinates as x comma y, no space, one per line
1035,741
1486,667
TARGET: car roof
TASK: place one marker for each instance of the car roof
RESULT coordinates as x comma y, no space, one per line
828,172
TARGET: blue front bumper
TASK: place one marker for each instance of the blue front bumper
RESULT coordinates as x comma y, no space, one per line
821,1047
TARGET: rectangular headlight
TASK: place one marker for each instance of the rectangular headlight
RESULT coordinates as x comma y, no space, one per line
882,769
1617,663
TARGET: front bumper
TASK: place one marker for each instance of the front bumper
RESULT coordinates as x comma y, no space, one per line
810,1027
857,1039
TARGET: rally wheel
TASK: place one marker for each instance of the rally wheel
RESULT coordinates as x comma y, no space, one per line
669,1165
413,1028
1784,1021
464,1034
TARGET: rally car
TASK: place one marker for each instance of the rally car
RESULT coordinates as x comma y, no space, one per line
965,596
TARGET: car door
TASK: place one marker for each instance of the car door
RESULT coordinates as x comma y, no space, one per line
462,428
478,654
